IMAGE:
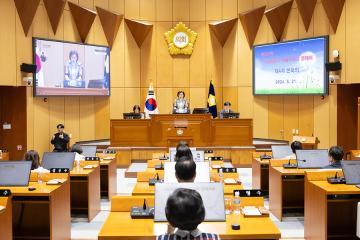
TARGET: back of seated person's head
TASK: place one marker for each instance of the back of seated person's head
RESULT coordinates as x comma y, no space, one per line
296,145
76,148
32,156
336,153
185,209
183,151
185,169
181,143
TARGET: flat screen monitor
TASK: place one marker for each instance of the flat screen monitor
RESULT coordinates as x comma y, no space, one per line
15,173
70,69
198,156
88,151
202,172
58,160
212,195
200,111
351,170
281,151
133,115
312,158
292,68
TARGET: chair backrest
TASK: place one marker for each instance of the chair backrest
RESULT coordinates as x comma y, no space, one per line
322,174
124,203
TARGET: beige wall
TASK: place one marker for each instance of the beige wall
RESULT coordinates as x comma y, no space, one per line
133,68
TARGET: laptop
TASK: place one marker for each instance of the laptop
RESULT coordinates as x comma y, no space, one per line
202,172
281,151
198,156
15,173
58,160
212,195
312,158
351,170
89,151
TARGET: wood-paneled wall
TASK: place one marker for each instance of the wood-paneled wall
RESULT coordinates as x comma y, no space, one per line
133,68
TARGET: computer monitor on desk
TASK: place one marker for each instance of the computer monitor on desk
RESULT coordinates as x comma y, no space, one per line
211,193
231,115
312,158
15,173
200,111
58,160
89,151
351,170
281,151
133,115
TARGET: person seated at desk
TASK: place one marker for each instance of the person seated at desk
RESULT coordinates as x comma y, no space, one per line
185,211
296,145
185,170
181,105
74,71
77,149
183,150
33,157
226,109
336,154
137,110
60,139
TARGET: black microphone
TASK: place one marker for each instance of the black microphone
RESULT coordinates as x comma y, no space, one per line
144,205
157,177
336,175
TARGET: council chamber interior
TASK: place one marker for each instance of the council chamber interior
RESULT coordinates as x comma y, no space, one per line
179,119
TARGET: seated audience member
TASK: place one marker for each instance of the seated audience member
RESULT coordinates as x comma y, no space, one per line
33,156
185,211
336,154
77,149
185,169
226,109
183,150
296,145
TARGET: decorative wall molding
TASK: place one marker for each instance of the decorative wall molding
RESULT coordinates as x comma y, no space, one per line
333,9
250,21
26,10
54,9
306,10
83,18
222,29
139,30
110,23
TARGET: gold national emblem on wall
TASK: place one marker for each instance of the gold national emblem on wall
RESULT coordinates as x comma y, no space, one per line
181,40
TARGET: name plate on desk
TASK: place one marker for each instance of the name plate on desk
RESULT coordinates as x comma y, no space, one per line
249,193
59,170
5,193
216,158
92,159
228,170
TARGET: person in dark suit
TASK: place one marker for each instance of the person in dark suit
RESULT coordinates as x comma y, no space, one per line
336,154
185,169
226,109
60,139
182,149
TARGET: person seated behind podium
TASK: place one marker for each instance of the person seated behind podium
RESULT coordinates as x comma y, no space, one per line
336,154
60,139
185,211
185,169
77,149
296,145
137,109
183,150
226,109
181,105
33,156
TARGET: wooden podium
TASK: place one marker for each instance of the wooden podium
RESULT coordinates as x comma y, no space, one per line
164,130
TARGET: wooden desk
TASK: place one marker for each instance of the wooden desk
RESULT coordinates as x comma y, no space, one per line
164,130
6,218
260,175
286,191
330,210
143,188
251,228
43,213
85,192
108,178
4,156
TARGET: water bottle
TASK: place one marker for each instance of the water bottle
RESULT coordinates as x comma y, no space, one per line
236,205
221,175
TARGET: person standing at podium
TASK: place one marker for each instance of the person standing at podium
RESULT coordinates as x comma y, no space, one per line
181,105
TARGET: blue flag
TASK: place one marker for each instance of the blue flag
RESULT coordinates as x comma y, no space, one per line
212,100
